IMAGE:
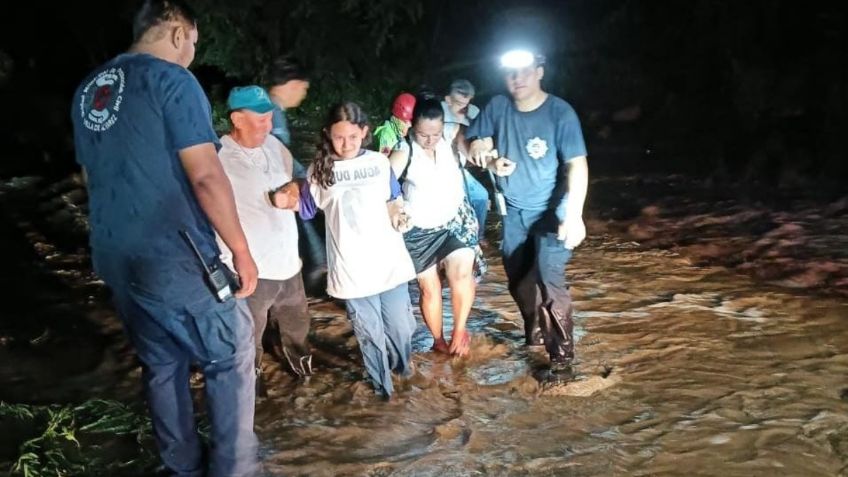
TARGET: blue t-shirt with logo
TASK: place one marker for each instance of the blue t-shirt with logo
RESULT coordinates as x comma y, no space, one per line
541,142
131,118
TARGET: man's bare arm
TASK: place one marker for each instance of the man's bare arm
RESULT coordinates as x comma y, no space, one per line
573,229
215,195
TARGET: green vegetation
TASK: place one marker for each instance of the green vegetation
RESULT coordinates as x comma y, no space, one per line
359,50
97,437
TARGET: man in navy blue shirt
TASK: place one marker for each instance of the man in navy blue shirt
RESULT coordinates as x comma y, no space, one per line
143,136
534,144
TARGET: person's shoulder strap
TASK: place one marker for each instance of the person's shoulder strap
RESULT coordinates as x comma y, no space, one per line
461,170
408,160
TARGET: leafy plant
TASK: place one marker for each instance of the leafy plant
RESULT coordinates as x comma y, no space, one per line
72,440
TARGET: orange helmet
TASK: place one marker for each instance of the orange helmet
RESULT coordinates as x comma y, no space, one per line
403,106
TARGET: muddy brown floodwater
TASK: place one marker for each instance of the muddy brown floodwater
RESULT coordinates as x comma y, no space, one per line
685,368
710,374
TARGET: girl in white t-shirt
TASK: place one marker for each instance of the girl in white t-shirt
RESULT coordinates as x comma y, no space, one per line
367,262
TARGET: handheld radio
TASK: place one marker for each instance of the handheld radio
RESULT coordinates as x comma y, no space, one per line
215,278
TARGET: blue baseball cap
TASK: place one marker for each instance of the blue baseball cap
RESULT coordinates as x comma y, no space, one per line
252,98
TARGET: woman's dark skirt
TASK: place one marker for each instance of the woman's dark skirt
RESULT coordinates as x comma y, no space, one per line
428,247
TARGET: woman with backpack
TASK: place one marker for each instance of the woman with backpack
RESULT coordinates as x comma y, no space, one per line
443,237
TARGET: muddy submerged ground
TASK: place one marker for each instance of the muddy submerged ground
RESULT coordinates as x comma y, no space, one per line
712,341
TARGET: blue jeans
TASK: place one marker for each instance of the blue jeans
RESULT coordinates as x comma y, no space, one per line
534,261
169,337
478,196
383,325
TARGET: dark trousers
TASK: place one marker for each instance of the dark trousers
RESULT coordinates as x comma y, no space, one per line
313,251
534,261
169,337
283,302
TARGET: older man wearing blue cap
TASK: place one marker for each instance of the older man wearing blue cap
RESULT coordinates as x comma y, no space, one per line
258,165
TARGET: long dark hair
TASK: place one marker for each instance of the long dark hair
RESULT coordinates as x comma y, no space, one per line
322,166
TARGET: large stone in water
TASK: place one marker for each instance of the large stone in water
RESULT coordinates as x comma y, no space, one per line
581,386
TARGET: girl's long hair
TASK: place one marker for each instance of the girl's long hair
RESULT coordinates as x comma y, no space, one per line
322,169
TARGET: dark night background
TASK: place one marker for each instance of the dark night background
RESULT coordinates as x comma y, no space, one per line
735,92
715,265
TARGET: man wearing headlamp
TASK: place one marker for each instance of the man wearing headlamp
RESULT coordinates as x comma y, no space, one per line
534,144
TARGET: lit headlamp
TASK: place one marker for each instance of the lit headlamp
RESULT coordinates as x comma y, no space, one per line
517,59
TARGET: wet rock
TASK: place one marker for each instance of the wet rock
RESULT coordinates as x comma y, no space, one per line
546,465
831,429
526,386
451,430
582,386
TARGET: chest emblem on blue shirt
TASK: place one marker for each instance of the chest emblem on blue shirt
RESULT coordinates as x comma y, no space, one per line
537,147
101,100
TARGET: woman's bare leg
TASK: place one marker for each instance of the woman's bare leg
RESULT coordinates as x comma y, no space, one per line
431,306
459,268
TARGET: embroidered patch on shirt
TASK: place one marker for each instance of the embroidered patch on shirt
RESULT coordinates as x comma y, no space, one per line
537,148
101,100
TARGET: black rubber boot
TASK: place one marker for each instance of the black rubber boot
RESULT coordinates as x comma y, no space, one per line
558,332
532,332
